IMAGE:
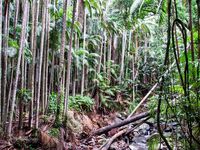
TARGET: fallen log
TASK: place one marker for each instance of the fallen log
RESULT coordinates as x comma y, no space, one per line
121,123
127,130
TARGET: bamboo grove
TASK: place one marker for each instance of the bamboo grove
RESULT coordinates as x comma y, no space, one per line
58,50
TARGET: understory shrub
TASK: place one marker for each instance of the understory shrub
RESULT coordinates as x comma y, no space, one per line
81,103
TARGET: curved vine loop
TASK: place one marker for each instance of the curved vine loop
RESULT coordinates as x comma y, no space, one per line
162,79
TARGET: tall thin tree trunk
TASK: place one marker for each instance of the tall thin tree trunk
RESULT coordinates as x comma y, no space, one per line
145,60
43,76
21,99
45,64
16,15
115,44
35,13
136,60
40,63
9,93
5,57
198,9
12,63
191,36
75,67
74,80
109,58
69,59
133,76
128,75
0,55
76,45
47,56
83,65
104,53
86,77
52,73
133,66
22,43
61,65
100,58
122,57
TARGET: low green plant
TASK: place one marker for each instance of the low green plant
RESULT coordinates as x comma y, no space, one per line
81,103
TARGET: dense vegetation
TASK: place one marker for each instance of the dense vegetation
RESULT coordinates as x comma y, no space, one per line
100,56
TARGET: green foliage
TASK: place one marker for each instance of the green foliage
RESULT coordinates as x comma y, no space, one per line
132,106
52,107
54,132
110,87
152,103
27,52
136,4
24,95
196,133
93,5
81,103
52,102
178,89
107,102
13,43
153,142
146,21
54,36
13,47
108,92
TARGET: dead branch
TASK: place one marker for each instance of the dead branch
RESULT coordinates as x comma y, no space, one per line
126,131
111,140
143,100
122,123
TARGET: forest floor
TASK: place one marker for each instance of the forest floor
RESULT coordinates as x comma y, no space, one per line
80,134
